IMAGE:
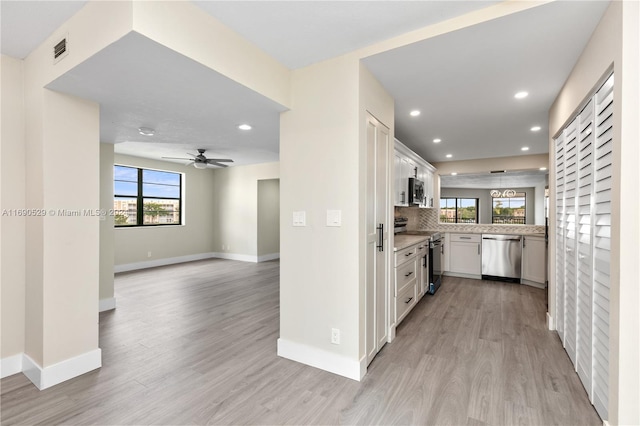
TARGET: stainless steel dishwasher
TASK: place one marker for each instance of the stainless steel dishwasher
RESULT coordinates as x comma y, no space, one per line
501,257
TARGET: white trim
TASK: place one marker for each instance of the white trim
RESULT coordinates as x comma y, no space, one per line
550,323
363,367
162,262
267,257
49,376
318,358
10,365
234,256
606,423
462,275
106,304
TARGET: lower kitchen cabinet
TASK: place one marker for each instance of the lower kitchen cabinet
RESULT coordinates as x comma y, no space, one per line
465,255
409,280
534,260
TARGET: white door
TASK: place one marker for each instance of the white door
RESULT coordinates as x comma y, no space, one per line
584,235
570,285
377,223
559,266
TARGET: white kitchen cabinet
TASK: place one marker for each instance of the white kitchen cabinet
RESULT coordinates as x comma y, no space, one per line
409,164
401,180
465,255
409,280
534,260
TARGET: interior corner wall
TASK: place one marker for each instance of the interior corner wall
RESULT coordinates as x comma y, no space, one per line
194,238
234,214
615,42
12,198
106,293
319,171
268,218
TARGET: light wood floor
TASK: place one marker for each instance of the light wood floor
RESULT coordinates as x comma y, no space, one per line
196,344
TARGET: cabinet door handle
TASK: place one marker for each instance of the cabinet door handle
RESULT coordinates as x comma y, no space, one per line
408,254
408,300
478,248
402,194
524,242
408,274
465,238
380,229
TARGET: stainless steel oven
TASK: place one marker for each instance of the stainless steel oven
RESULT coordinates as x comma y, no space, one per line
436,250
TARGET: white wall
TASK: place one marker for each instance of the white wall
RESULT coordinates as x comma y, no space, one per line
235,214
615,43
12,196
107,249
319,170
193,238
268,218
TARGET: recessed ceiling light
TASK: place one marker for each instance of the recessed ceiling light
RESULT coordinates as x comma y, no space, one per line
521,95
437,140
543,168
449,155
525,148
244,127
453,173
414,113
535,128
146,131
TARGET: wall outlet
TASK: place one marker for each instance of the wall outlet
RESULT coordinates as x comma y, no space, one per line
148,254
335,336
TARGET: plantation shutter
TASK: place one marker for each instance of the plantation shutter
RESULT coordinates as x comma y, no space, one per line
602,244
583,164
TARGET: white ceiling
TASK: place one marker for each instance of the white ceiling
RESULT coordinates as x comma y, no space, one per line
462,81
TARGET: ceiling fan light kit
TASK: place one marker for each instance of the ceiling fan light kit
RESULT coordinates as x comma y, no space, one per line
201,162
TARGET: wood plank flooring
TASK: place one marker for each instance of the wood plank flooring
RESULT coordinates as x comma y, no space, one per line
196,344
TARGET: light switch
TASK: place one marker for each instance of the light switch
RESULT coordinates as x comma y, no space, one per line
299,218
334,217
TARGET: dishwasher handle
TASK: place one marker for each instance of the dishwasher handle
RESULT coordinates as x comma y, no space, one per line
510,238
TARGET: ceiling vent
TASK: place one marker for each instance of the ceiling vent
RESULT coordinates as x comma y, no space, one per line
60,50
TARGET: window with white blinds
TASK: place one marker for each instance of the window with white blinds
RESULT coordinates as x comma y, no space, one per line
583,163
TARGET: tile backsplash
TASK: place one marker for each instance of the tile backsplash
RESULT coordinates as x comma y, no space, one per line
427,220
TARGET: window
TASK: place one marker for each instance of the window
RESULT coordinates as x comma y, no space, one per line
144,197
459,210
509,208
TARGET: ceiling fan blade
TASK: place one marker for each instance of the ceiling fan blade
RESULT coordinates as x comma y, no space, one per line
177,158
219,160
213,163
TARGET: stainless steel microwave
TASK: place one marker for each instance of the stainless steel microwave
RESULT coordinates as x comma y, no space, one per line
416,191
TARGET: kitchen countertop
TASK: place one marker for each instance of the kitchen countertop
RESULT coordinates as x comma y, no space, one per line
401,241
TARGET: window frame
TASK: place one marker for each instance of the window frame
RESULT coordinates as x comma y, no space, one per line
140,197
457,207
522,195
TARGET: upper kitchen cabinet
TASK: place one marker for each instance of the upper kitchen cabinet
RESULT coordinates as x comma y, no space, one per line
407,165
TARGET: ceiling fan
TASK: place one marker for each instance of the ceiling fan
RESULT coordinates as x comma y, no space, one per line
201,162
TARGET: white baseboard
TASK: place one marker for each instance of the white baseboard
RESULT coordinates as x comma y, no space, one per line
235,256
106,304
10,365
49,376
318,358
550,323
162,262
267,257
